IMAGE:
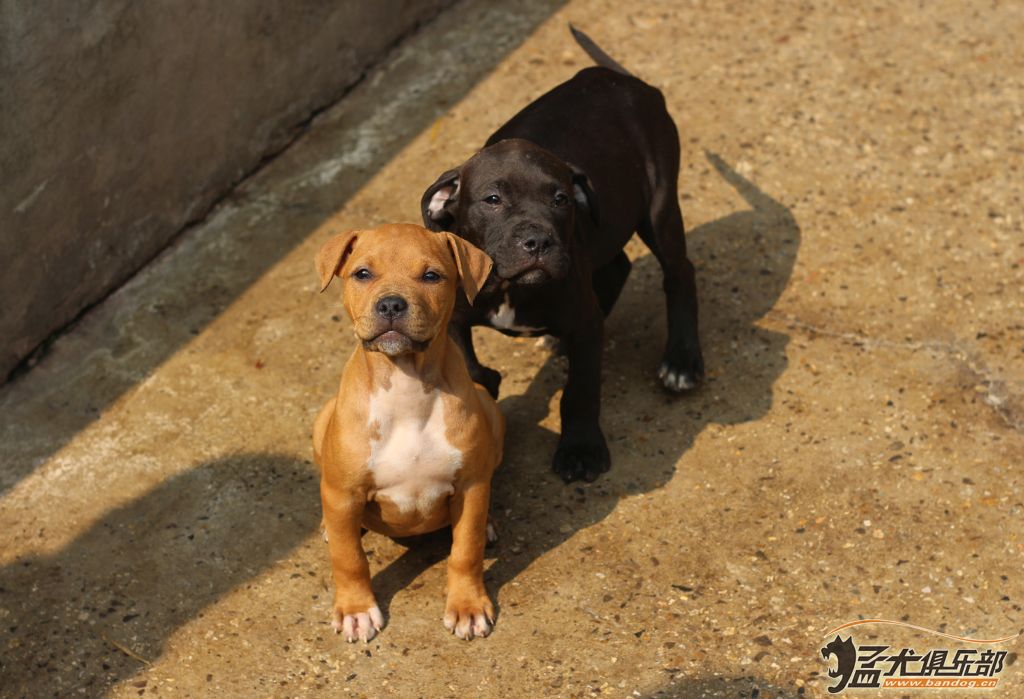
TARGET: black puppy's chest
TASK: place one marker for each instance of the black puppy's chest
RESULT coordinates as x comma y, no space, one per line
516,317
516,321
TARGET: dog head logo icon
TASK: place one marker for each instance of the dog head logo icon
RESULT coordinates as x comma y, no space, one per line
845,653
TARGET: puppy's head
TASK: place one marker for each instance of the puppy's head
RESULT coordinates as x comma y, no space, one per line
400,282
518,202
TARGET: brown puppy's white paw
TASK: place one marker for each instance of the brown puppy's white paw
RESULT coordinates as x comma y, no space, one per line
492,532
362,626
471,619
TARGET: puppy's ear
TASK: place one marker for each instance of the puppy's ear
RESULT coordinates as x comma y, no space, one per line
583,193
332,256
438,202
473,263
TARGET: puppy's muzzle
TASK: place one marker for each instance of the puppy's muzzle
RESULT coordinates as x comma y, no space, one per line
391,307
532,255
391,337
536,242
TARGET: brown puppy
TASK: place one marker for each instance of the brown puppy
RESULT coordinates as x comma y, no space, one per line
409,444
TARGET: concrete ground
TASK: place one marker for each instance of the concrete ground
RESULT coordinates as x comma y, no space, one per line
852,184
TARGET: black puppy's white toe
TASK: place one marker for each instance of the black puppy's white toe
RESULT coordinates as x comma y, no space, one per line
679,380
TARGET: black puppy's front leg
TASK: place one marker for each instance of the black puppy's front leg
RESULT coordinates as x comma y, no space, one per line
461,331
582,451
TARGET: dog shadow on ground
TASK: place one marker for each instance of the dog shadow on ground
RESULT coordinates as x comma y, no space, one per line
143,570
724,687
745,262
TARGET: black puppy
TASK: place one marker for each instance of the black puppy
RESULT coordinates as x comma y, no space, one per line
553,197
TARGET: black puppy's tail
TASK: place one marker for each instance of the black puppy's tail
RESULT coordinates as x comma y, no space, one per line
596,52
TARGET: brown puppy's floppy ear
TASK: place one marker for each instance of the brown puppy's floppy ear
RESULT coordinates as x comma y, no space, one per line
473,263
331,256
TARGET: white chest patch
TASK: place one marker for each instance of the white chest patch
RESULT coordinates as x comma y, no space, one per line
505,318
412,463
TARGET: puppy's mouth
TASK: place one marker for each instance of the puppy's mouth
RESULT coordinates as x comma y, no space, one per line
531,276
530,272
394,343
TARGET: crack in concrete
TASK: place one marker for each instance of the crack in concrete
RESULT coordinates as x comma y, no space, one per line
867,341
994,389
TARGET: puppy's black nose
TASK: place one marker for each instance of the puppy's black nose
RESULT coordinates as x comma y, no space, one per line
391,306
536,242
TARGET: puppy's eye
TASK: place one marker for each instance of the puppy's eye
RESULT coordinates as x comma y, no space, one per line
362,274
493,199
431,276
561,199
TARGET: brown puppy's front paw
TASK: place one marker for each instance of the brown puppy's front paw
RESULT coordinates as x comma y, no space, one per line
469,616
358,625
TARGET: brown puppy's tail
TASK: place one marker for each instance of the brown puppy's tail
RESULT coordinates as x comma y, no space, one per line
596,52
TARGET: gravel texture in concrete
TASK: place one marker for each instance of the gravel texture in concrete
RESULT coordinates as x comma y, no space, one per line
852,186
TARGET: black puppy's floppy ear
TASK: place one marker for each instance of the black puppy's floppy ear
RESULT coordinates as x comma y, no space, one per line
331,257
473,264
583,193
438,200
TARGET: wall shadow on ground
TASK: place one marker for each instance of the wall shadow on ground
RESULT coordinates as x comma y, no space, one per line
747,260
45,407
145,569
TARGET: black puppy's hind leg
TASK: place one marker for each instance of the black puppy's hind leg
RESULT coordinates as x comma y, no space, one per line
682,366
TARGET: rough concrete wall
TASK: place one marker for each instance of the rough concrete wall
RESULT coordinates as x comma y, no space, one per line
122,121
